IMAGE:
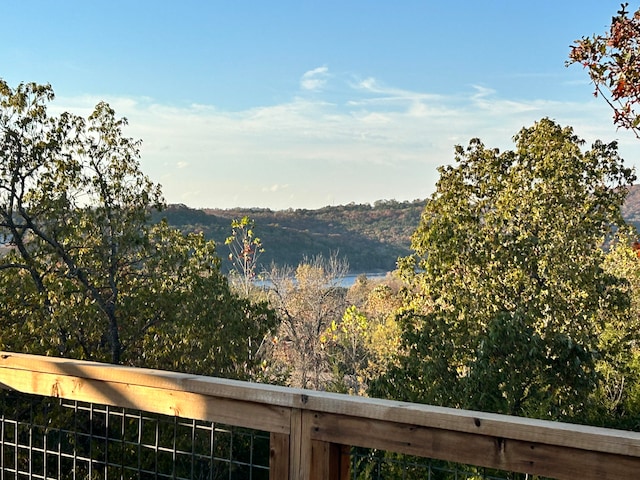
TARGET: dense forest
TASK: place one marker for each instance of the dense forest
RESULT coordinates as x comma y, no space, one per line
369,237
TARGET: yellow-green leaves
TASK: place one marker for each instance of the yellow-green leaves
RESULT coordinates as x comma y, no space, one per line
507,284
87,275
244,251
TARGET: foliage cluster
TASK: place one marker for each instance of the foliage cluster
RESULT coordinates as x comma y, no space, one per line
86,274
511,307
612,61
245,250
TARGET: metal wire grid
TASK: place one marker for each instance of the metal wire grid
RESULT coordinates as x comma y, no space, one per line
370,464
45,438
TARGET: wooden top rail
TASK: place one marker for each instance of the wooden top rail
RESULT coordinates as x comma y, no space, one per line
311,419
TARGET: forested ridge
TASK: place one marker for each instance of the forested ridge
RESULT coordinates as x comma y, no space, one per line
631,207
370,237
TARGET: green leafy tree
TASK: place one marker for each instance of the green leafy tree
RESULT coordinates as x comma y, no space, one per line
346,341
193,318
506,288
617,398
87,275
612,61
72,200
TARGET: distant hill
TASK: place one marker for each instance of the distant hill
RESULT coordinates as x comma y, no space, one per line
371,237
631,207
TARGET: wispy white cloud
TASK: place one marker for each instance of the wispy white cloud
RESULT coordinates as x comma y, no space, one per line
315,79
381,92
482,92
275,188
376,142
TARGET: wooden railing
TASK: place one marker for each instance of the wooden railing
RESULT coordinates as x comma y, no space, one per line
310,430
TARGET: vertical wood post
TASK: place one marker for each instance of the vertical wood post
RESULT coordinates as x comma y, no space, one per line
296,456
345,461
328,461
279,456
323,460
298,467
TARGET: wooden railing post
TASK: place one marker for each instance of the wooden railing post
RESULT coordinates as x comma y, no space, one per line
323,459
279,457
299,457
328,461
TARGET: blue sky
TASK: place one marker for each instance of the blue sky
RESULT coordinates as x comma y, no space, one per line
311,103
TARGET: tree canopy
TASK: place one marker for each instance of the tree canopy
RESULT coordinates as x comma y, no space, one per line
87,274
507,291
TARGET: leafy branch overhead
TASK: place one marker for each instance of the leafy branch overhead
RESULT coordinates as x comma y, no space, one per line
613,63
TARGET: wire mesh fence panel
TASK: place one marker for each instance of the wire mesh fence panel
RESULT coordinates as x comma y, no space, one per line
371,464
48,438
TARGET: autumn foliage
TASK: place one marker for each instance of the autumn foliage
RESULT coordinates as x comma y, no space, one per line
613,63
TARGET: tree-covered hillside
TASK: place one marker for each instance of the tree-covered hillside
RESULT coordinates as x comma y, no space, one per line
371,237
631,207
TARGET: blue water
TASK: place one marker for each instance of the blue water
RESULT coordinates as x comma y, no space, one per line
350,279
347,280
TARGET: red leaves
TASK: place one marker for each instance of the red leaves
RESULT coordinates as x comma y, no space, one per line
620,89
613,62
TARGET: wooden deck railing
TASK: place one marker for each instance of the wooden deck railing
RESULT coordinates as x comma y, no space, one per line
310,429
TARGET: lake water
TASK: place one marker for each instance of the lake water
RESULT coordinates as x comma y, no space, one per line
349,280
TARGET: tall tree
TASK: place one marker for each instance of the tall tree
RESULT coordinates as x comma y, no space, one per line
307,300
507,286
613,63
88,276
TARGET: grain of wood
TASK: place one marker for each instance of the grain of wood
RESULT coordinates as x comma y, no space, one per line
311,428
